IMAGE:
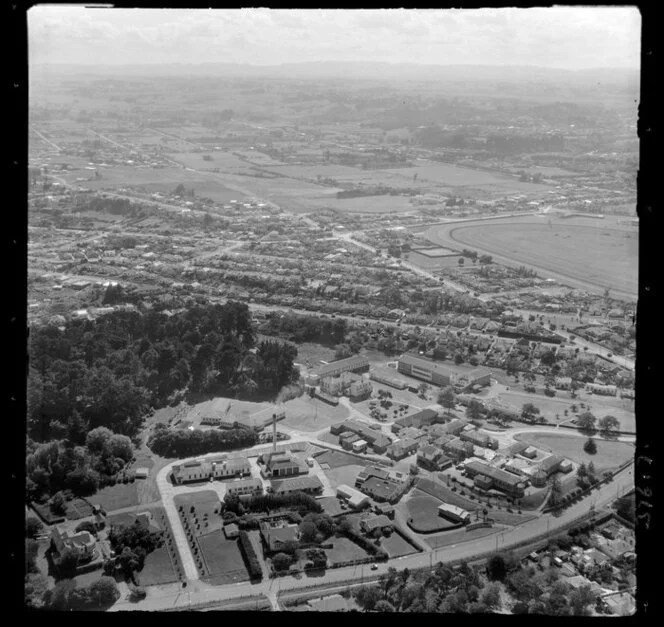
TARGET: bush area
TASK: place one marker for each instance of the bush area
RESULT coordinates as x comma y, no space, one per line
253,565
66,596
57,465
183,443
132,544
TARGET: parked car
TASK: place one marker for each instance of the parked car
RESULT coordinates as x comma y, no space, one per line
374,566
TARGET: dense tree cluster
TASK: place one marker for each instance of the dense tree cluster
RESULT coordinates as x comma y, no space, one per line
109,372
298,501
299,328
182,443
249,554
464,590
131,544
67,596
62,465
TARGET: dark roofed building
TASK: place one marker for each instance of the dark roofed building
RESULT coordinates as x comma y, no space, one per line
418,420
487,476
551,464
375,522
401,449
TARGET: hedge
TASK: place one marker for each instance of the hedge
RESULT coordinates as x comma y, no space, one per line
253,565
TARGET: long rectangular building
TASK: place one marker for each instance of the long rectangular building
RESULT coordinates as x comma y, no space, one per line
355,363
426,370
217,468
375,438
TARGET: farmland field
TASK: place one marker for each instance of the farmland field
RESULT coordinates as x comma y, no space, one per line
609,454
588,254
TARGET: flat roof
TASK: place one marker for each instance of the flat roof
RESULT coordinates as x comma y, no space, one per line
427,364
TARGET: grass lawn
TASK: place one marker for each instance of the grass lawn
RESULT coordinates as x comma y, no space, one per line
456,536
223,559
609,454
330,505
115,497
310,354
207,503
196,498
78,508
423,510
336,459
158,568
311,414
442,492
396,546
343,475
344,551
328,438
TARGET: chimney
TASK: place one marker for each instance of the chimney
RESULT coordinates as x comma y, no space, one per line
274,433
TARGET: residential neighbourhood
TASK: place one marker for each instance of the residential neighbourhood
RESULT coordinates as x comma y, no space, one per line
333,336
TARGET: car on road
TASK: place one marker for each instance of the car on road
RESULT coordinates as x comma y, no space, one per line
374,566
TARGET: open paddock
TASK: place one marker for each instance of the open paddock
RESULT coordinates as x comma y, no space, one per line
610,454
225,161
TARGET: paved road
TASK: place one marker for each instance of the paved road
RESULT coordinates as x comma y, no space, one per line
546,524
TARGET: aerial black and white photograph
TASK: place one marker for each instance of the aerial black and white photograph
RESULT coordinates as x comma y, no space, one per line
332,310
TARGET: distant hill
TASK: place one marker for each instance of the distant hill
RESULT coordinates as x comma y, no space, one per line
351,69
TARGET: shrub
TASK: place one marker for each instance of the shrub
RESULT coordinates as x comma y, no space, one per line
253,565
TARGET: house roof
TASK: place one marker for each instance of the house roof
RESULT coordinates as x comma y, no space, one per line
494,473
552,461
376,522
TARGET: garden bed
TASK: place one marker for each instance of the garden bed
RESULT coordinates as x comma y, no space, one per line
78,508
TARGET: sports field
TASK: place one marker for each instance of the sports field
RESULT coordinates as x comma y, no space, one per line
591,254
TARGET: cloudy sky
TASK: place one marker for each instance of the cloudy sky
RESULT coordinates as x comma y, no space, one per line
563,37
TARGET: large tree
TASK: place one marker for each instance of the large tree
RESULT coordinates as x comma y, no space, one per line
447,398
608,426
586,423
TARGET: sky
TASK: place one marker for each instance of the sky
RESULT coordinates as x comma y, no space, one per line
558,37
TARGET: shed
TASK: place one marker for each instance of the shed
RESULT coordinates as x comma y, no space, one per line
141,473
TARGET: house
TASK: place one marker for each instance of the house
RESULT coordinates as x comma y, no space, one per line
281,464
433,458
453,513
423,418
479,438
550,464
381,485
563,383
598,558
385,509
374,437
455,426
360,446
516,466
487,477
348,439
83,544
307,484
353,497
426,370
231,531
370,524
277,534
401,449
458,449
